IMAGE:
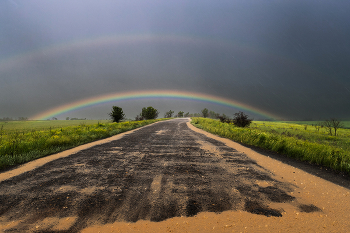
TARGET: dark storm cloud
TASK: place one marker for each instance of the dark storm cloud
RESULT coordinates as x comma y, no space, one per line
290,58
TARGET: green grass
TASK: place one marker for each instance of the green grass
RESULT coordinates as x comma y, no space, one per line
345,123
25,126
21,142
300,141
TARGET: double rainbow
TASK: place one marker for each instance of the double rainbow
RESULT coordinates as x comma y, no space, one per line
119,40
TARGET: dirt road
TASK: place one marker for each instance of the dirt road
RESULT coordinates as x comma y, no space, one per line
172,178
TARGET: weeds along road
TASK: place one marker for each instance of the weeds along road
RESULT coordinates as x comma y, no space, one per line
157,172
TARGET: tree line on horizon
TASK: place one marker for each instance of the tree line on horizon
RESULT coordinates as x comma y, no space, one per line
14,119
148,113
240,119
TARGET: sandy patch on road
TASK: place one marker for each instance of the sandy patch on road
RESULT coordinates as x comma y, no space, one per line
57,224
230,221
333,201
160,132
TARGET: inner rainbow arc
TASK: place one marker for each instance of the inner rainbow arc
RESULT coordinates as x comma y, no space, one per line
171,94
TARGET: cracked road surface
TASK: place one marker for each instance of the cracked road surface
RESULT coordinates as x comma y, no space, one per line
157,172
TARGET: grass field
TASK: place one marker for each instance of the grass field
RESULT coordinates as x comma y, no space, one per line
300,141
25,126
24,141
345,123
305,132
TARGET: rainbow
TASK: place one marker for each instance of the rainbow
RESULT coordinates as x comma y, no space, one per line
107,41
133,95
18,60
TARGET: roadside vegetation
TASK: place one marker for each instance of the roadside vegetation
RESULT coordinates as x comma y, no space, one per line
26,126
24,141
325,143
312,143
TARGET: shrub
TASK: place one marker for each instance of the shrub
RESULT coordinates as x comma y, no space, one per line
224,119
241,120
139,118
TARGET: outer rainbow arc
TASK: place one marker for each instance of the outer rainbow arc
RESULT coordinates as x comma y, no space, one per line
98,42
149,94
13,61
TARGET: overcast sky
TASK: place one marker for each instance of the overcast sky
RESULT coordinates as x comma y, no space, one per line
288,58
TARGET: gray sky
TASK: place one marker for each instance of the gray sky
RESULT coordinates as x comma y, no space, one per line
288,58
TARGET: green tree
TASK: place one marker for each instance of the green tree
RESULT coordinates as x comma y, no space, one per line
205,112
180,114
117,114
241,120
169,114
149,113
187,114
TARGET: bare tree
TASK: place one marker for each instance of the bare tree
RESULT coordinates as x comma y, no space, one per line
169,114
318,126
333,124
336,125
328,126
